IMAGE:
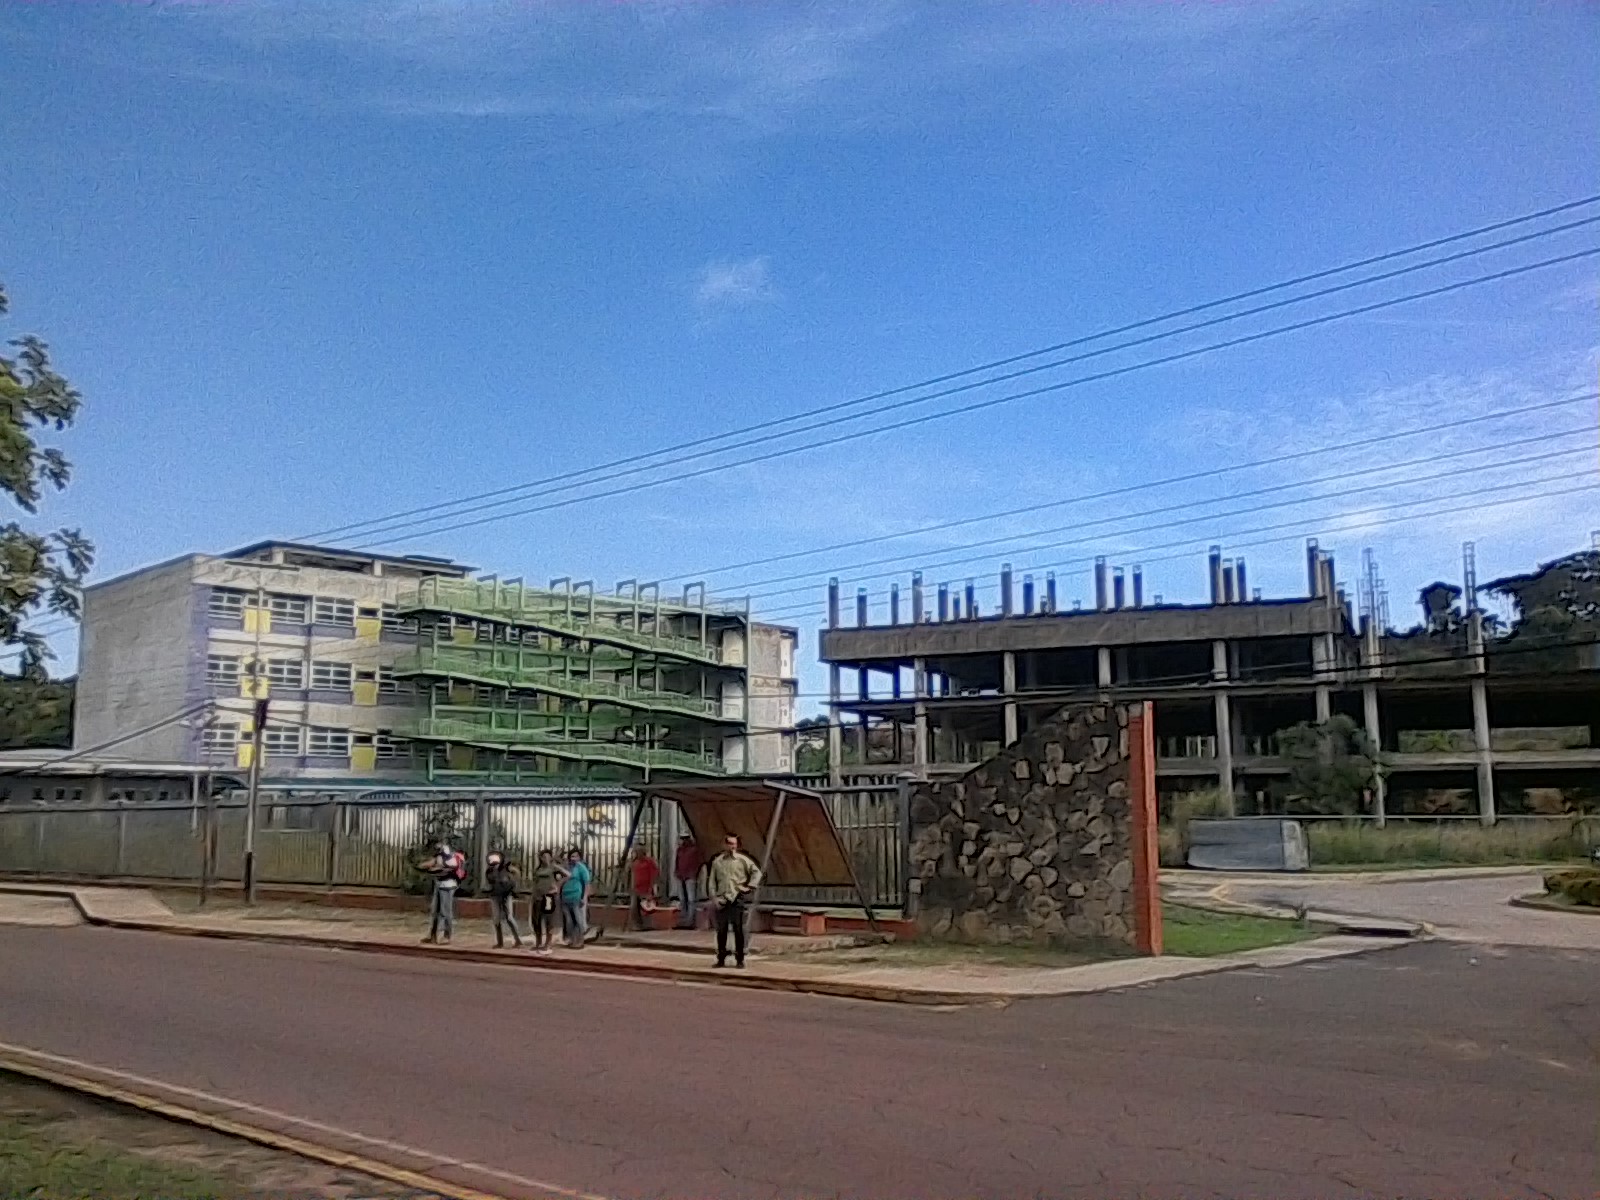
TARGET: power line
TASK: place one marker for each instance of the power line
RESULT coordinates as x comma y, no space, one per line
1096,377
1189,505
1148,485
1304,526
934,381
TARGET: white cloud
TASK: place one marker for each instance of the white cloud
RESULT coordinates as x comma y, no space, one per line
726,285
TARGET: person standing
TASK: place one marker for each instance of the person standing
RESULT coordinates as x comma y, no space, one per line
575,899
732,879
686,865
645,876
501,878
548,876
448,868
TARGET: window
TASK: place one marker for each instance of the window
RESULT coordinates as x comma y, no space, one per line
287,610
331,676
395,623
328,743
281,740
286,672
389,748
329,610
220,739
388,685
223,669
227,603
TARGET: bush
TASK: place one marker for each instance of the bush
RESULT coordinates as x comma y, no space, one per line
1581,885
1462,842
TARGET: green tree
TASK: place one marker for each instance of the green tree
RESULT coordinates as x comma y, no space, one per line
39,572
811,746
1330,764
35,714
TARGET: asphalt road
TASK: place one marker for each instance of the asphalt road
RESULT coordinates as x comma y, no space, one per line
1435,1069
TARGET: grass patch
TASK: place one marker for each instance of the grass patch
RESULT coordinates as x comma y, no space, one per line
1447,843
37,1163
1190,932
1200,933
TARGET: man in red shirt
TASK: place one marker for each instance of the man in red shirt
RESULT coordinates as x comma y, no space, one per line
685,874
646,874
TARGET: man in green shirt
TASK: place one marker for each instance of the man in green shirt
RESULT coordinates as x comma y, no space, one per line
732,878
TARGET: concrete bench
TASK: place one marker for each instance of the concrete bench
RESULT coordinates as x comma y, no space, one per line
807,922
1248,844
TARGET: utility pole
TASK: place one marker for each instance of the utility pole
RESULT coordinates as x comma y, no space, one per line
257,744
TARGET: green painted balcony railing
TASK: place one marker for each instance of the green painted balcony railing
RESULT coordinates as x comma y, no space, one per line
548,611
558,745
514,668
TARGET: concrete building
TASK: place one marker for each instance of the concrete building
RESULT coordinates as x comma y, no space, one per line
1465,723
404,668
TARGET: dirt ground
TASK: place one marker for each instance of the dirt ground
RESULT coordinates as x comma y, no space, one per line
63,1145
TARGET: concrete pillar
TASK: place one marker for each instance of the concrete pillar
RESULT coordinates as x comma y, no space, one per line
1324,703
920,684
1224,719
1480,719
835,734
1008,687
1369,704
1219,660
1103,665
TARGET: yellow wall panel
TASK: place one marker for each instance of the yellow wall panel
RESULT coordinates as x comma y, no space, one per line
244,755
365,692
369,629
363,758
257,620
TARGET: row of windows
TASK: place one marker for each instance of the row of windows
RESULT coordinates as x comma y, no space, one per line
287,609
228,669
319,741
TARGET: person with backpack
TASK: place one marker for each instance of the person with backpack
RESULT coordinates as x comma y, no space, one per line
501,878
449,869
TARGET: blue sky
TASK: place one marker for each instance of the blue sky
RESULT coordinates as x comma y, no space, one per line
314,263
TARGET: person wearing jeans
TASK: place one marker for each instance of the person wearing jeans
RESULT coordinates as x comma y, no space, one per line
732,879
575,900
685,871
502,880
447,867
547,880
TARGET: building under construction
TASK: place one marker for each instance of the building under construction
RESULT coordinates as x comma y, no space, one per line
1464,722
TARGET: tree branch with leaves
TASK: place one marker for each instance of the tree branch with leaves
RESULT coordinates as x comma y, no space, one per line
40,573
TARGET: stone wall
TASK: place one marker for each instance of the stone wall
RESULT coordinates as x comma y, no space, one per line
1036,845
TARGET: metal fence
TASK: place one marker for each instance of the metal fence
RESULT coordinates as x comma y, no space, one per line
332,842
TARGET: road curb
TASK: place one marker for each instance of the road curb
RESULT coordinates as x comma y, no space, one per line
880,993
1219,900
1540,903
242,1130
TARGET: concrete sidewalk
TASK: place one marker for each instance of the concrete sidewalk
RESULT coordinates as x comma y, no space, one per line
935,984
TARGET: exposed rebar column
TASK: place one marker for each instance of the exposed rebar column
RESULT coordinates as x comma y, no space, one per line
972,600
1008,688
1369,705
1100,597
894,604
1005,589
861,608
1230,593
1215,562
1138,586
919,684
1027,595
944,602
1239,584
918,613
833,603
1050,592
1118,595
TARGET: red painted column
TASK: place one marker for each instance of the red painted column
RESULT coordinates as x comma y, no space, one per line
1142,811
